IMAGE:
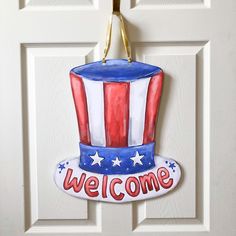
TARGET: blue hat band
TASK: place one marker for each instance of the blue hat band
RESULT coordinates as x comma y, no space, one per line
109,161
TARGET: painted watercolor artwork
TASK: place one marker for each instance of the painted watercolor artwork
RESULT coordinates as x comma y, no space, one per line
117,105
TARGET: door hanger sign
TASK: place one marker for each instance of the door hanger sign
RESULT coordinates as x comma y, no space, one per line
117,103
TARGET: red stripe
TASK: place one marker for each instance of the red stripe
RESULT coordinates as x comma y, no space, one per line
152,107
80,101
116,102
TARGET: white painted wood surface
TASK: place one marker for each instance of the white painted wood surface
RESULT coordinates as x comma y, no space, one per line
193,41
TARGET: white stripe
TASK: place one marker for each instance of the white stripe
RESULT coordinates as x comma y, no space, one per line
95,102
137,108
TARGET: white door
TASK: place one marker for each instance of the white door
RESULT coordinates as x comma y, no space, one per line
193,41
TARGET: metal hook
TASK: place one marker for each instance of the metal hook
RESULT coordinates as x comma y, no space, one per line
116,7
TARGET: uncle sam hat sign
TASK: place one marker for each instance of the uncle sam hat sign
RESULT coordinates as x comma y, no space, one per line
117,103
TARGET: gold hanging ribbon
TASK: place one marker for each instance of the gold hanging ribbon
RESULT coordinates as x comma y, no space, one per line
123,36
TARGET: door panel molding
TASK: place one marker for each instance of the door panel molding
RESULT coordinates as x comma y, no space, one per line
45,207
171,213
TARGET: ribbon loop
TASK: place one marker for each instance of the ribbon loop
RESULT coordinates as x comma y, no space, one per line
123,36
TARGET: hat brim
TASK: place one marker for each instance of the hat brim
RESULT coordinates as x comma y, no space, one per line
161,179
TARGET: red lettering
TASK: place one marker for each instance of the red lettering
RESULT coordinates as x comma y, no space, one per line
104,186
91,184
148,181
128,189
117,197
74,182
163,174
